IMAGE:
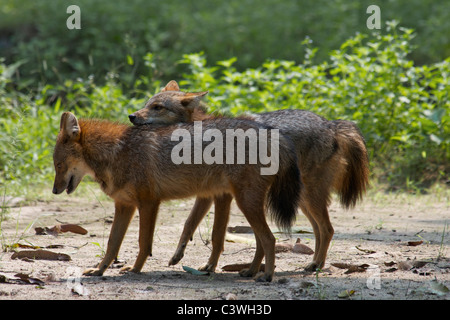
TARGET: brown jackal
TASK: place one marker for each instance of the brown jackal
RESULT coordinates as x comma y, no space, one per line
332,156
141,166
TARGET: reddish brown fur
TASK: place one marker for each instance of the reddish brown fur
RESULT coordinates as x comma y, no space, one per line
133,166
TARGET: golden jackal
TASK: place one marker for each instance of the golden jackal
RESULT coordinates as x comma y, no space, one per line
135,167
332,156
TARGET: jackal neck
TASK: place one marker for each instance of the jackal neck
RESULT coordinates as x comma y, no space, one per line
101,142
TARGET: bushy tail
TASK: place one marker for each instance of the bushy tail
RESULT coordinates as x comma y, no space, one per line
283,197
355,180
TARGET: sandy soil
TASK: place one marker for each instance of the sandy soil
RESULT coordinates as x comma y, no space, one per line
400,243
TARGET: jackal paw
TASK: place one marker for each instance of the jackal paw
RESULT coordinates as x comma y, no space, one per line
247,273
175,259
127,269
208,267
93,272
263,277
313,266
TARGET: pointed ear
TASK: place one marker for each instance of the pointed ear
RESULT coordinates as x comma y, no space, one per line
69,126
171,86
190,97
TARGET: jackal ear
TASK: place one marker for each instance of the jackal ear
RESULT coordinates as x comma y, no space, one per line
69,126
171,86
190,97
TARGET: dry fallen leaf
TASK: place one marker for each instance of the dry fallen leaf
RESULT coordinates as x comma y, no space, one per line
389,263
301,248
60,228
365,250
283,247
414,243
74,228
25,278
40,255
351,268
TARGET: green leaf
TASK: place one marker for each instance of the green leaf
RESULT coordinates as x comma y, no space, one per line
346,294
130,60
195,272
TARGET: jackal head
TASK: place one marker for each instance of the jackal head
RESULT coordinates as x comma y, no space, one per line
68,160
168,107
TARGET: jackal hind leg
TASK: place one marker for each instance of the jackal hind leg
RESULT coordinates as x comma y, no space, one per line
323,231
222,206
253,209
198,212
254,267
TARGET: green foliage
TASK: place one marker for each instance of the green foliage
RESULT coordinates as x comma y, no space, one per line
403,110
116,35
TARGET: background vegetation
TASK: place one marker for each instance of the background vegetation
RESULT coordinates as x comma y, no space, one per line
251,55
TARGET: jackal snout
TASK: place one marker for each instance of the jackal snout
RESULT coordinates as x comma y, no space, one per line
132,118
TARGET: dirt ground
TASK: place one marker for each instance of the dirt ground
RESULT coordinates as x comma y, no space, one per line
389,247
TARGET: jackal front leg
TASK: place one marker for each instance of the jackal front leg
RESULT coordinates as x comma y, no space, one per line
222,205
122,218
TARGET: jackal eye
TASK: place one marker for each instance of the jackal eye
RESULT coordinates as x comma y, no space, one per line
157,107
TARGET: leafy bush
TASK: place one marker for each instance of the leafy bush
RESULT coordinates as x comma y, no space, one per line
115,36
403,110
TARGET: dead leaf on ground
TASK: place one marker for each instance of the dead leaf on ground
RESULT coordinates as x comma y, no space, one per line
351,268
296,248
365,250
414,243
283,247
61,228
236,267
40,255
301,248
29,280
21,278
389,263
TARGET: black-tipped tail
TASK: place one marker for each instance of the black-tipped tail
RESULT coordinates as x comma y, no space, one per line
283,197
